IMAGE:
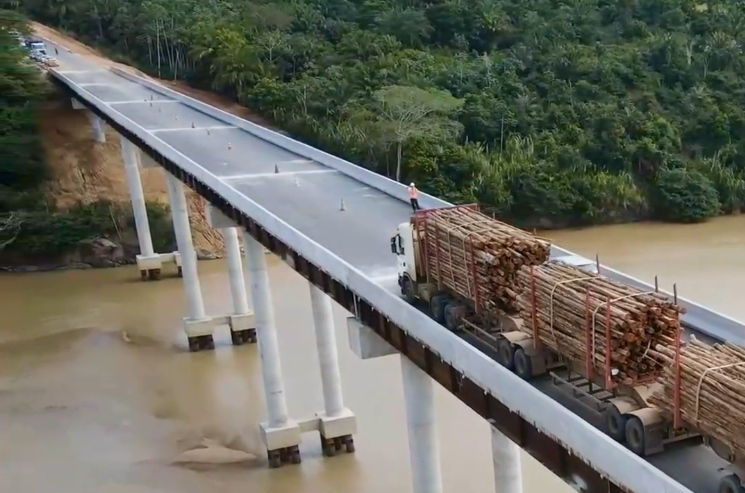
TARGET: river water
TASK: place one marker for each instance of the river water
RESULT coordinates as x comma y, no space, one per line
98,393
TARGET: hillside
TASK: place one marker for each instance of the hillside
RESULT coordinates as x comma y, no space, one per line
551,113
83,170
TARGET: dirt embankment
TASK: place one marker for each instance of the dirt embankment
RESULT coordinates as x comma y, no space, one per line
84,170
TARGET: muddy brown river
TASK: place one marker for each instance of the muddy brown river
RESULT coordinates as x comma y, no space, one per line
98,393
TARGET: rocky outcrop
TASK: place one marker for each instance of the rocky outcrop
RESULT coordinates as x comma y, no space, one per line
98,252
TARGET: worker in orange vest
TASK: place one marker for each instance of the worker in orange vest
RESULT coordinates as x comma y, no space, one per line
414,197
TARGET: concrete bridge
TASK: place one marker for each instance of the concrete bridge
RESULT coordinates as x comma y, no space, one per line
331,221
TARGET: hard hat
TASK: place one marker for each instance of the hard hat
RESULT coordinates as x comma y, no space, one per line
412,184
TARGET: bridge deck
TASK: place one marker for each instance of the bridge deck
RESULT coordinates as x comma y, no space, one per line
306,195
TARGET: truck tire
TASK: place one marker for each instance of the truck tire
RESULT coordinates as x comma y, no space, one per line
730,484
451,320
614,423
506,354
437,306
407,289
635,435
523,364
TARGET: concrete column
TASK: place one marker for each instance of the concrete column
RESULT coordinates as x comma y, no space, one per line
337,423
180,215
508,476
235,271
198,327
424,451
241,321
148,261
327,355
271,366
280,434
129,154
97,126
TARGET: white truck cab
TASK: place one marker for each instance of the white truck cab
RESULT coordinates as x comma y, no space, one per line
403,246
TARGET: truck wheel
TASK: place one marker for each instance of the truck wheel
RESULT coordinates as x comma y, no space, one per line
506,354
523,364
451,321
730,484
635,436
407,289
437,307
615,423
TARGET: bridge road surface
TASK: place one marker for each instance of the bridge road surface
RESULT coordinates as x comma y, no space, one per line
308,195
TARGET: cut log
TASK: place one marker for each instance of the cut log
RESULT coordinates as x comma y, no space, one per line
712,389
570,306
476,256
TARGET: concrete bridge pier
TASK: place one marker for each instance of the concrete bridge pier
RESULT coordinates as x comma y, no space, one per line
424,449
508,477
241,321
197,325
280,434
337,424
148,262
96,123
424,453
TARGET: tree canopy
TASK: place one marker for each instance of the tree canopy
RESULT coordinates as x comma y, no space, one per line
548,112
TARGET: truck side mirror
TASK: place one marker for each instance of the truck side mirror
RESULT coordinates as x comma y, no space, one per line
394,248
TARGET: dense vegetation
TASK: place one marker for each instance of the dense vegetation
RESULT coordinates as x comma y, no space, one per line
551,112
31,229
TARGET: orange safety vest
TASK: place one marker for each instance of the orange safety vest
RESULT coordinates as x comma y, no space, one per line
413,192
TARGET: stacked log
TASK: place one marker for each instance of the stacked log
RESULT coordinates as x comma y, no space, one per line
477,256
712,389
568,298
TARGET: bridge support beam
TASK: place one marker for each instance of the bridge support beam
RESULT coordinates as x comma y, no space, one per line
241,321
337,423
197,325
424,450
508,477
281,435
148,262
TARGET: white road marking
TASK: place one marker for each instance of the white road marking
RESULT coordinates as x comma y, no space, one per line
179,129
280,174
141,101
65,72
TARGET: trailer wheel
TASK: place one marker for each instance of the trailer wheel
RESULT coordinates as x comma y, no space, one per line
437,307
523,364
451,321
615,423
635,435
407,289
506,354
730,484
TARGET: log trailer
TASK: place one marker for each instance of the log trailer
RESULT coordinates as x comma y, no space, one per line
623,410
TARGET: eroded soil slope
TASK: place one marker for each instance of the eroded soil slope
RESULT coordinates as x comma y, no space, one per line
85,170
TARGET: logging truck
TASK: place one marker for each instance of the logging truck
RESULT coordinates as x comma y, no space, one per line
623,410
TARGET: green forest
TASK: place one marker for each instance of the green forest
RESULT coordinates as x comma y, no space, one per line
550,113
